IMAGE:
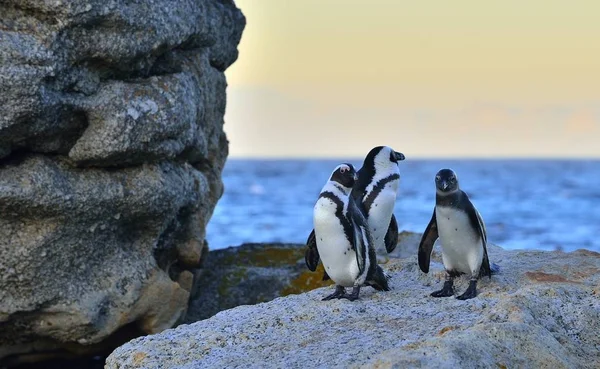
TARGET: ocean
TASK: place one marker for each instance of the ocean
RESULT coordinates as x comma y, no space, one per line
526,204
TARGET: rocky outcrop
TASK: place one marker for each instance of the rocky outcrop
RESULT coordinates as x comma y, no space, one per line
254,273
250,274
542,310
111,151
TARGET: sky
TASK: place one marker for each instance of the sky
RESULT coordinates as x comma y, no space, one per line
467,78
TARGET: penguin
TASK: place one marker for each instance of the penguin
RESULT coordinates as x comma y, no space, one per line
341,239
375,191
462,234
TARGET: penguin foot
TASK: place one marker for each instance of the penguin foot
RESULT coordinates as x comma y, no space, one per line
470,292
340,292
353,296
446,291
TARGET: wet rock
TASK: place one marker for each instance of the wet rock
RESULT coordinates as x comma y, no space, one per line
542,310
111,152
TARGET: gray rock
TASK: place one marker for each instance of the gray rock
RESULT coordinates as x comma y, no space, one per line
250,274
60,64
254,273
111,152
126,125
408,245
542,310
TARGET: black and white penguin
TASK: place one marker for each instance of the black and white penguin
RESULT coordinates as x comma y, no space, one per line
462,234
341,239
375,191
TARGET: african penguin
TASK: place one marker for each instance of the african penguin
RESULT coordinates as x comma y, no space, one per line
462,234
341,238
375,191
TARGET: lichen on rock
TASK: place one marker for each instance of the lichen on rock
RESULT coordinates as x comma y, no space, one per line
541,310
251,274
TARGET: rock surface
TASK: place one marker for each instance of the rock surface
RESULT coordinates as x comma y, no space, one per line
250,274
542,310
254,273
111,152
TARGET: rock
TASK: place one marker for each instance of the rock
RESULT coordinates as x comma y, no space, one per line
127,116
408,245
250,274
254,273
542,310
111,152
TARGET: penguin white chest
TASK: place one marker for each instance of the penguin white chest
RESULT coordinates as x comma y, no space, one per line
462,249
380,212
335,250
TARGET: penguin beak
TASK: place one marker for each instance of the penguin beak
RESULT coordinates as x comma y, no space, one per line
399,156
355,176
444,185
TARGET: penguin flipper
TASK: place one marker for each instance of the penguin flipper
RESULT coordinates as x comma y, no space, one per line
391,237
311,255
485,264
361,238
477,223
359,188
379,280
426,245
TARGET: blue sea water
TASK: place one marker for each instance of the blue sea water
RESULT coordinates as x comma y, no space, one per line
526,204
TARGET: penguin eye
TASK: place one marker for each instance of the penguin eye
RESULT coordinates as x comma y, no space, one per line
452,179
437,178
343,169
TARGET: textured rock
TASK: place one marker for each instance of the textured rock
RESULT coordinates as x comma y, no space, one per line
254,273
250,274
111,152
541,311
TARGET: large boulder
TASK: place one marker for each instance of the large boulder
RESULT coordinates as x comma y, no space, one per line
250,274
542,310
111,152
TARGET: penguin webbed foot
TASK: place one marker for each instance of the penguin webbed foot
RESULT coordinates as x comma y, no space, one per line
353,296
470,292
446,291
339,293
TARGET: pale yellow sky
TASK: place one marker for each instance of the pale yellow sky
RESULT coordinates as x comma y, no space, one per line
430,78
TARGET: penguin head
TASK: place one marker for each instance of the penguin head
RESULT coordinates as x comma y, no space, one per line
446,181
344,174
382,157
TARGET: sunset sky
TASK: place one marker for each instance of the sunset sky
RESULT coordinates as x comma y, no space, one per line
323,78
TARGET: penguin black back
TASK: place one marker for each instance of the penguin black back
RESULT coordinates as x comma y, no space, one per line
345,175
368,171
365,174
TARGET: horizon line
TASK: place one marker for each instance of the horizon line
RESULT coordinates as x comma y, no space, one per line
488,158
